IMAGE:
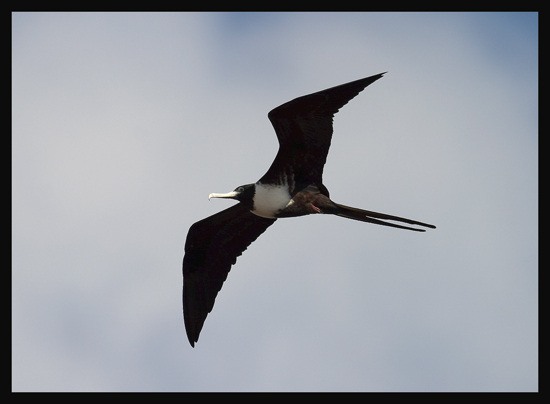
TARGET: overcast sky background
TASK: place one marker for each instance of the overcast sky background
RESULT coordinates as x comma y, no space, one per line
124,123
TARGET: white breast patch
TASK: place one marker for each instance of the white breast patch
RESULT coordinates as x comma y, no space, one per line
270,199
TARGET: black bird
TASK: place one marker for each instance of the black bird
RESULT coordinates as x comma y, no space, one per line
293,186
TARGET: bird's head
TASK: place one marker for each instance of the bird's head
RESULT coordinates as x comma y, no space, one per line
243,193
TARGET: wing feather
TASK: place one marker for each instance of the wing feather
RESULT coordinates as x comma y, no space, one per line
212,247
304,129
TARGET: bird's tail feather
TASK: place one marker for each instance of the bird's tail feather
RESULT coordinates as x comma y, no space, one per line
372,217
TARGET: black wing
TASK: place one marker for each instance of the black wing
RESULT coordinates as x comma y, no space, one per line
304,130
212,246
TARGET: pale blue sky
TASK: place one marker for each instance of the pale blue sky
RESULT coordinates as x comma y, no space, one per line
123,123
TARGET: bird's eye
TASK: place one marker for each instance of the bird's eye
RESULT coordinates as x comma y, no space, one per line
240,189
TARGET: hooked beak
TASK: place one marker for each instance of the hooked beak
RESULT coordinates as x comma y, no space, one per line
230,195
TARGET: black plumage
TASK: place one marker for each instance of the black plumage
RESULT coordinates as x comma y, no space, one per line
292,186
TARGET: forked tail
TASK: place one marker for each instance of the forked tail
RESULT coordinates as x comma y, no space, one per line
372,217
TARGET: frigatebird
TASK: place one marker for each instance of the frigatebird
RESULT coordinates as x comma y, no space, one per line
293,186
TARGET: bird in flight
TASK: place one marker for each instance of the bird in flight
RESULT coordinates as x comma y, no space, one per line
292,186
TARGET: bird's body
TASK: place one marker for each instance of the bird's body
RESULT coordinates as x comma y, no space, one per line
291,187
